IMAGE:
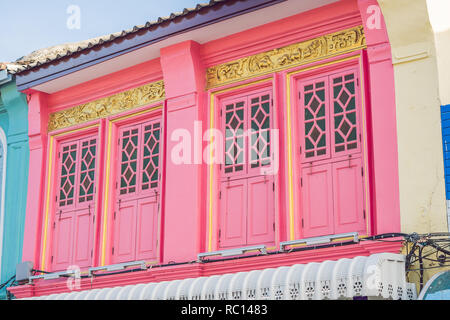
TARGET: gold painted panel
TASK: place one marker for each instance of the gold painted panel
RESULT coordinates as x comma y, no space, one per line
107,106
278,59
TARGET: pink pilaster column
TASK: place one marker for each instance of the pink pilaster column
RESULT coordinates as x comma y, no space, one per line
183,218
37,132
382,120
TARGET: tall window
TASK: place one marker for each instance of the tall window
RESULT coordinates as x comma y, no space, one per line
331,154
75,203
137,192
246,193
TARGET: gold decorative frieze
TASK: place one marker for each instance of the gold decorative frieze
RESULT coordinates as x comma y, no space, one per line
107,106
286,57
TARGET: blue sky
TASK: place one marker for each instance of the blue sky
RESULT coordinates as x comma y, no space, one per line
29,25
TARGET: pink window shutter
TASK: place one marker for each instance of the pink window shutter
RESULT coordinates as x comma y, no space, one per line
129,161
247,197
345,113
259,123
148,207
317,201
348,196
74,216
137,205
62,242
83,236
86,180
233,215
260,210
234,123
84,215
150,158
124,248
147,229
314,119
125,214
332,185
67,175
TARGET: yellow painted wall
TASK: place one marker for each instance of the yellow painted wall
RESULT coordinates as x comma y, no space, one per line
439,11
418,83
421,169
442,40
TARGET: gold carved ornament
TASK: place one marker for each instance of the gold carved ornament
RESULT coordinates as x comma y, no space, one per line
267,62
107,106
286,57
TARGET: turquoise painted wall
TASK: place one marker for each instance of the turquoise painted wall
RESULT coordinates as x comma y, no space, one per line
14,122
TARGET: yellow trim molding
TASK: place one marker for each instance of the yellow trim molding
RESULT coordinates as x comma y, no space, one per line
286,57
47,204
104,107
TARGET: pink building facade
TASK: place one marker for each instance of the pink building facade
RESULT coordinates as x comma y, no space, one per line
280,131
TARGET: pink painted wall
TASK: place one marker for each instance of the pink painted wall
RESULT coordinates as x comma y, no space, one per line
37,130
184,190
185,220
383,125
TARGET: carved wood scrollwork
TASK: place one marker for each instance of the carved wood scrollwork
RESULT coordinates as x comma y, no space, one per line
288,56
107,106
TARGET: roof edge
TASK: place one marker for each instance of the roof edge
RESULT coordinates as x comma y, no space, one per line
91,56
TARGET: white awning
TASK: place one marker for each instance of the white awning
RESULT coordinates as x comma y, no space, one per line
379,275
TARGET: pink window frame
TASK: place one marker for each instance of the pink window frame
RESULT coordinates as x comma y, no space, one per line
214,172
141,114
247,172
139,195
76,201
330,144
301,120
359,109
351,60
52,185
139,190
